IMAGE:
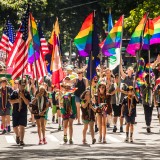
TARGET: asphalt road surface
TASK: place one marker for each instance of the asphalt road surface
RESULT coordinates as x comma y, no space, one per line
145,146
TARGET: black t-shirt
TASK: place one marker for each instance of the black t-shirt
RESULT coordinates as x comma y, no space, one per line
81,87
129,80
23,110
125,104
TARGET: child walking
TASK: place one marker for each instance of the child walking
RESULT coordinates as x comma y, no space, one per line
129,112
88,115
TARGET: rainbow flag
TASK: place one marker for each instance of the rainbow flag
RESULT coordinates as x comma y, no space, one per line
148,32
136,39
156,35
34,45
113,39
83,40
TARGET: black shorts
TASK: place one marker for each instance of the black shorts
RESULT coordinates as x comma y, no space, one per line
130,119
38,117
20,120
117,110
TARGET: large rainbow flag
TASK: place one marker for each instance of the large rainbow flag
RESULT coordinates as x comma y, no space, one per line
34,46
83,40
113,39
136,40
156,35
148,32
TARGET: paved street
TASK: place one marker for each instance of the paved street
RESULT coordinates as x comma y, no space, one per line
145,146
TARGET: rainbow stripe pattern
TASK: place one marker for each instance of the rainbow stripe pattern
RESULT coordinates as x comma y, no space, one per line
113,39
34,46
156,35
136,38
83,40
148,32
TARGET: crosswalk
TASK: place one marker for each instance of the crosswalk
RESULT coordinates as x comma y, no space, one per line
55,137
53,140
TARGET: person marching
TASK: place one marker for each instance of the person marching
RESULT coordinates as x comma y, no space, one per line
41,104
117,97
101,103
88,115
157,100
5,106
147,101
20,99
68,111
81,84
128,111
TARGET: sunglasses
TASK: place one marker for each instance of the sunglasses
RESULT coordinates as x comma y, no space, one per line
79,73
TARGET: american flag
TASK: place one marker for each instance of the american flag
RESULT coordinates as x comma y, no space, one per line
40,69
19,51
8,37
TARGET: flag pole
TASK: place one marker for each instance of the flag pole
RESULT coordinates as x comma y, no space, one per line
34,53
119,71
25,47
94,13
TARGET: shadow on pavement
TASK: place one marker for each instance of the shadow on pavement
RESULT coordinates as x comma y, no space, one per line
84,153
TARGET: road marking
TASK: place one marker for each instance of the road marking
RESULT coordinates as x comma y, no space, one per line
52,138
113,139
10,139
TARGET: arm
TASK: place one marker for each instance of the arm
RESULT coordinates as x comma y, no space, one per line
84,105
14,101
156,62
122,72
94,109
26,101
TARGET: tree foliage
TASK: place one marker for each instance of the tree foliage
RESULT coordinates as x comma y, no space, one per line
72,13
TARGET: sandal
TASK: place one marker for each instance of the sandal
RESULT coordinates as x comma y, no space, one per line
44,141
104,141
22,143
127,139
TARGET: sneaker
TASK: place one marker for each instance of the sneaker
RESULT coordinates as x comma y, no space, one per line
121,129
44,141
9,128
2,126
65,139
96,129
59,128
70,141
114,129
131,139
17,140
148,130
93,141
4,131
53,119
40,142
108,125
100,139
21,143
127,139
104,141
84,141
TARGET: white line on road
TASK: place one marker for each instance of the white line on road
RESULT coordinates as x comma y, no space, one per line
52,138
10,139
113,139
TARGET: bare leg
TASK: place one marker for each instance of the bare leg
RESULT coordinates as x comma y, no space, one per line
104,122
42,121
39,128
84,132
22,130
99,120
78,111
70,128
92,129
65,126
